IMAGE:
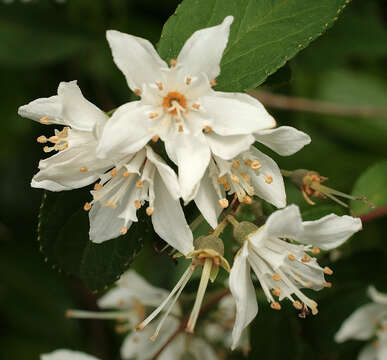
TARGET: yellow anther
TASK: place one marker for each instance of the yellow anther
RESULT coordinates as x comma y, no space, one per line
123,230
87,206
298,305
160,85
41,139
126,174
268,179
276,277
236,164
255,165
54,139
98,187
153,115
196,106
113,173
328,270
207,129
248,162
83,169
246,177
306,258
137,204
137,91
277,291
213,82
155,138
149,210
291,257
234,179
221,180
139,184
327,284
48,149
247,199
309,284
45,120
173,62
275,305
223,203
188,80
227,186
181,129
315,250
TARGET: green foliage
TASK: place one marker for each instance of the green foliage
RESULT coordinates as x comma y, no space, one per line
260,40
372,184
63,233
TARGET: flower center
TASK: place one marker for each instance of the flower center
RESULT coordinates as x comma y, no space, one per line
172,99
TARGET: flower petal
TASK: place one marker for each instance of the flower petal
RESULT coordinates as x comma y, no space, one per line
203,51
242,290
168,219
66,355
330,231
369,352
267,181
192,155
207,201
78,112
136,58
377,296
176,349
45,107
236,114
126,132
360,325
285,140
228,147
200,350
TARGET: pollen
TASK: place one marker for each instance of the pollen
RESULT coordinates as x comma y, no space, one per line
155,138
126,174
306,258
137,91
236,164
196,106
234,179
276,291
45,120
137,204
275,305
207,129
87,206
291,257
181,129
213,82
328,270
123,230
83,169
315,250
41,139
188,80
160,85
223,203
276,277
174,96
268,179
227,186
297,305
149,210
221,180
247,200
173,62
113,173
98,187
327,284
139,184
153,115
255,165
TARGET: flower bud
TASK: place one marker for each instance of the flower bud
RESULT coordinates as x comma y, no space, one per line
209,242
242,230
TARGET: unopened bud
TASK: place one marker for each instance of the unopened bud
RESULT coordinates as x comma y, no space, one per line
209,242
243,229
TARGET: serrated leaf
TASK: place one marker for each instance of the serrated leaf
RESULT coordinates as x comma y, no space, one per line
372,185
63,233
264,35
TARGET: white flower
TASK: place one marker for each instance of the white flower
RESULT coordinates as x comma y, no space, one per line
365,323
143,176
282,267
250,173
67,355
75,165
179,106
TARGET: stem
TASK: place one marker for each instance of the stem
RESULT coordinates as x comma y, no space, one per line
219,229
234,222
286,173
374,214
195,224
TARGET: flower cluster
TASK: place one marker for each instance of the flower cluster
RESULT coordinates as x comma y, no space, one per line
181,123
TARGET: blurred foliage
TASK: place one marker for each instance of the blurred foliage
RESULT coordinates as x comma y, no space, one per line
43,42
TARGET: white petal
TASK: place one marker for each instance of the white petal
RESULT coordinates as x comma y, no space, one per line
228,147
126,132
361,324
233,114
377,296
203,51
168,219
138,344
330,231
136,58
166,173
369,352
78,112
207,201
193,156
285,140
274,191
201,350
67,355
285,223
242,290
176,349
45,107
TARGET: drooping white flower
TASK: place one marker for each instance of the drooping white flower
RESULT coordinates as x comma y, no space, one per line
64,354
283,267
75,165
142,176
367,322
179,106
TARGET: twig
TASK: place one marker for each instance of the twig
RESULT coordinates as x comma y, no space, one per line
183,323
316,106
374,214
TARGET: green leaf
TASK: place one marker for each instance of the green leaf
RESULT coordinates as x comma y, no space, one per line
264,35
317,212
63,232
372,184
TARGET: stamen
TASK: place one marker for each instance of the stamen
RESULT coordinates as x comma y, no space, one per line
153,115
188,80
137,204
126,174
298,305
45,120
113,315
48,149
137,92
328,270
315,250
227,186
268,179
87,206
221,180
155,138
247,200
255,165
276,277
83,169
181,128
234,179
291,257
196,106
113,172
207,129
41,139
160,85
54,139
139,184
213,82
173,62
236,164
149,210
223,203
327,284
98,187
306,258
123,230
275,305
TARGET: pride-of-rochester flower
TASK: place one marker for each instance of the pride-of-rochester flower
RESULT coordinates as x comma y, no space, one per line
283,267
368,322
179,106
64,354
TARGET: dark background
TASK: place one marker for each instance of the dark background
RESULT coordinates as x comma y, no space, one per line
45,42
